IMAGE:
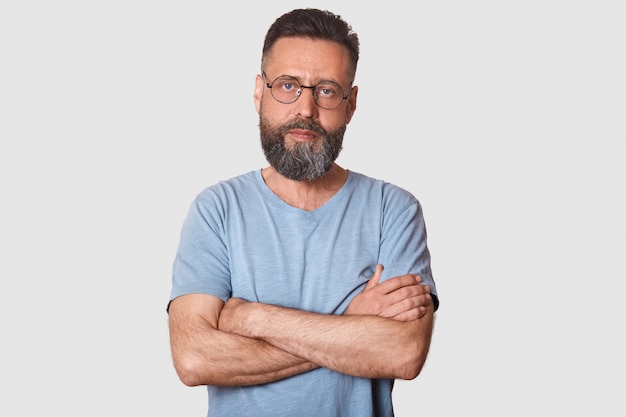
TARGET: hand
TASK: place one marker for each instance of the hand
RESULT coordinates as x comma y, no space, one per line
401,298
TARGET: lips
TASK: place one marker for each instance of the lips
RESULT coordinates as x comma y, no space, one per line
302,134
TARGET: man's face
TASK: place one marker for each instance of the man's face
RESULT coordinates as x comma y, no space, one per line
302,140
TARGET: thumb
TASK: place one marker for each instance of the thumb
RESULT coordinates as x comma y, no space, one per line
375,279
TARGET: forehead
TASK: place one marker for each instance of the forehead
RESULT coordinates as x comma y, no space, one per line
308,59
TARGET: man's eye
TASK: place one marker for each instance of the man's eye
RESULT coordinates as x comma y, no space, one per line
326,91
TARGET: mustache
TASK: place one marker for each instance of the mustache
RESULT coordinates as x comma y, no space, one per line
304,124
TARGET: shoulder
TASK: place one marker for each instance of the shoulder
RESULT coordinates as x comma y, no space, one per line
213,203
232,188
388,193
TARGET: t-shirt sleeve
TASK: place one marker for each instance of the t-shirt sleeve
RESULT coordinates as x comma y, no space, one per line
403,247
201,264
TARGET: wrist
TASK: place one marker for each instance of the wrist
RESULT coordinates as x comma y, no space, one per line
245,318
254,319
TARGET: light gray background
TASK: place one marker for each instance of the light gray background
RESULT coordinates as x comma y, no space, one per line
505,118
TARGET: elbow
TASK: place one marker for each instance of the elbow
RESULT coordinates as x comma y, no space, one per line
415,350
187,372
413,361
189,379
194,371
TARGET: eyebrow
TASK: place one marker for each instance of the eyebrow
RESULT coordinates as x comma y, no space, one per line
311,85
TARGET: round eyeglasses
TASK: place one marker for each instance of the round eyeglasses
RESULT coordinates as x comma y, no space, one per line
287,89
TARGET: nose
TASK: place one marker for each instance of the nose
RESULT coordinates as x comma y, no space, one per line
306,102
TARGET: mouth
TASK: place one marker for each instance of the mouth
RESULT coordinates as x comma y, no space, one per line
302,135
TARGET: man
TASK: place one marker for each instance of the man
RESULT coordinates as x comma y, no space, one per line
302,289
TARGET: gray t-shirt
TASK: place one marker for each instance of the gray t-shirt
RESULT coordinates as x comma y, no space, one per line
240,240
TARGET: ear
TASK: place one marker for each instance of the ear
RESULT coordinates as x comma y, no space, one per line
351,103
258,92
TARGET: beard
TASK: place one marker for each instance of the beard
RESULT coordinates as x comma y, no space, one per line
305,161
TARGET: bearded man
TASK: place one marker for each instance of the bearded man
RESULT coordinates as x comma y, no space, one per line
302,288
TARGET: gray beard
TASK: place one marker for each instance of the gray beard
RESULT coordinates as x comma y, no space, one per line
306,161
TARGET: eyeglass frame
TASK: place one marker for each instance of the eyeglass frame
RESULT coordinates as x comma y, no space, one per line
312,87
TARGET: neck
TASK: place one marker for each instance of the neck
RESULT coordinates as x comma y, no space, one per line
305,195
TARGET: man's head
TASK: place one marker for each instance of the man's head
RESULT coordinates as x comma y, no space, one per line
304,94
314,24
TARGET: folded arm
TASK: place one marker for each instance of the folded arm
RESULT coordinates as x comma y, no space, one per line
364,345
217,344
204,355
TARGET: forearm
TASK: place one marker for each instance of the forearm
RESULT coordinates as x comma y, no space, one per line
365,346
233,360
204,355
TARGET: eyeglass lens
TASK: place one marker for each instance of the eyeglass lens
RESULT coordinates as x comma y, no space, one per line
326,94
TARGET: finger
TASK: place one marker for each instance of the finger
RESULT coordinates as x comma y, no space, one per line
410,315
419,309
375,279
407,304
425,289
395,283
409,292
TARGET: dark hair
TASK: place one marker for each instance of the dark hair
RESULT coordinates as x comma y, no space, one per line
314,24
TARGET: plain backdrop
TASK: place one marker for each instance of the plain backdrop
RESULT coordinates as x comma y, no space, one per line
506,119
